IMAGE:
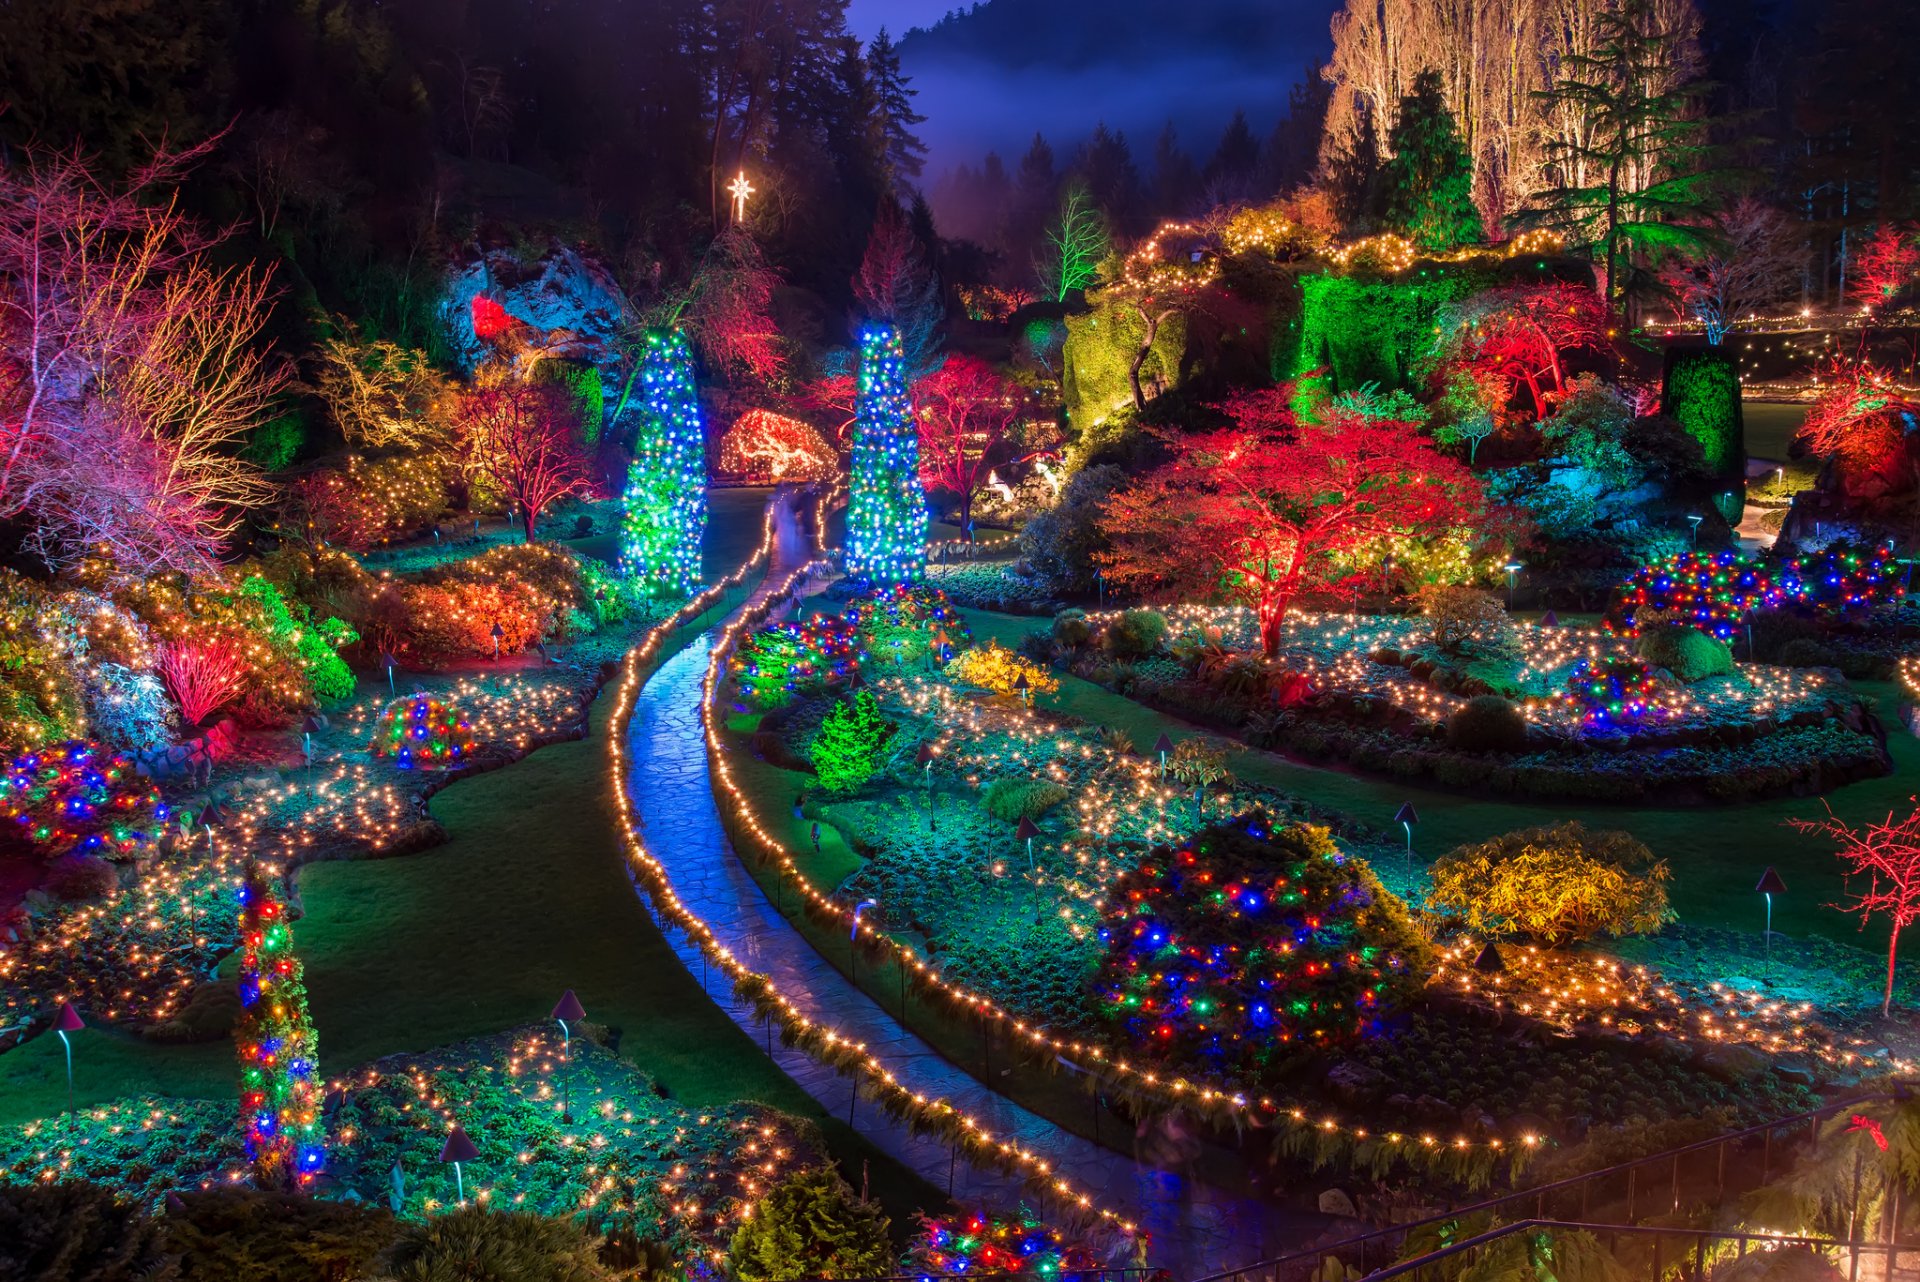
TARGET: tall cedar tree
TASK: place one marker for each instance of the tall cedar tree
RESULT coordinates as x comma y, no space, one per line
1259,512
1429,178
894,115
1636,186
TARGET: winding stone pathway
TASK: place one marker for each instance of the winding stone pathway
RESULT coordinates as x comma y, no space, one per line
1195,1229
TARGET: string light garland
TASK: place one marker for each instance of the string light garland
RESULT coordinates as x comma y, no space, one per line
887,516
1615,692
279,1083
1717,591
988,1244
81,797
420,730
667,484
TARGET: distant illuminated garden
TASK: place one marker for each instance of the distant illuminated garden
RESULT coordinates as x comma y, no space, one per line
611,670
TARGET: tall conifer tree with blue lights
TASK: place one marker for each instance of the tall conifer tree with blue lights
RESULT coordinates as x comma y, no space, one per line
887,515
667,484
280,1092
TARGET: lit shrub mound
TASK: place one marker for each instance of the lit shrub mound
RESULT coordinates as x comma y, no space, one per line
1248,944
1688,653
371,502
419,730
901,624
1135,634
40,697
1012,800
811,1225
793,660
1615,693
78,798
531,591
1487,723
851,744
996,1243
996,668
1716,591
765,448
1557,884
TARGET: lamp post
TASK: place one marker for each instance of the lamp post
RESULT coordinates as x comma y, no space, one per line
498,632
1407,817
1163,745
1693,527
1770,885
567,1008
1513,569
1026,832
853,940
458,1149
925,757
69,1022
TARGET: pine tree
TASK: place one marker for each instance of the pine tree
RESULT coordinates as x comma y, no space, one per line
1428,181
279,1067
893,98
1636,186
1232,172
1174,178
887,514
667,485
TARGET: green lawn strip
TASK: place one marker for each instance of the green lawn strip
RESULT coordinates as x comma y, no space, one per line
1717,853
1055,1095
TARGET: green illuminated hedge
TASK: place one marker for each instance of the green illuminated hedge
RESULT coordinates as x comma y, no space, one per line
1702,392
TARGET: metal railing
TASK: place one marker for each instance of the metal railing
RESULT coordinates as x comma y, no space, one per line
1637,1181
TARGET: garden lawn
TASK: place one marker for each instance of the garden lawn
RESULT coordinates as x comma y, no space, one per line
1717,852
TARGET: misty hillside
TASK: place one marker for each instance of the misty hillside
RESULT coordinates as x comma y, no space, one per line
1075,34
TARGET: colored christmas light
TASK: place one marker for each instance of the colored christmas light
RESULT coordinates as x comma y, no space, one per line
987,1244
1716,591
419,729
667,484
900,624
887,515
80,797
795,659
1614,692
280,1090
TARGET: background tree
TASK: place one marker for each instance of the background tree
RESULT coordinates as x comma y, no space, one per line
1635,181
1259,512
1886,857
728,312
1753,260
1076,243
1428,180
131,371
966,410
383,395
895,284
894,115
1886,263
519,441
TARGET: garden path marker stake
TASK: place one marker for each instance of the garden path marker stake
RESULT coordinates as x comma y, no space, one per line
1407,817
458,1149
1770,885
567,1008
69,1022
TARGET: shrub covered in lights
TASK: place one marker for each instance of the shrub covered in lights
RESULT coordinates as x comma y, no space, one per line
78,797
280,1085
899,624
851,744
1716,591
1555,884
533,591
420,730
795,659
667,483
990,1243
765,448
1615,692
887,513
1250,943
1688,653
996,668
370,501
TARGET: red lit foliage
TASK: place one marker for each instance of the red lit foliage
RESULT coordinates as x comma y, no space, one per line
520,441
1259,512
966,410
1865,425
1525,335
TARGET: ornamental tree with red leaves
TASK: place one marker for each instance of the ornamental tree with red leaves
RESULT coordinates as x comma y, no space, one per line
1525,334
832,396
1262,510
1887,856
520,440
202,675
966,410
1862,422
1887,262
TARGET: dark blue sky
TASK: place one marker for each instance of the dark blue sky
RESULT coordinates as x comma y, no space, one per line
864,17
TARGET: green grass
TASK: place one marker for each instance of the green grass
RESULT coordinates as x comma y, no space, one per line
1717,853
1770,426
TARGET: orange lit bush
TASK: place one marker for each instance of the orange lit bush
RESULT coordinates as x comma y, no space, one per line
371,502
763,447
531,591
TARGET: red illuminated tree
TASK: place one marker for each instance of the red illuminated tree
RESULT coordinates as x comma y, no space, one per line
966,409
896,284
1525,333
832,395
1887,856
1887,262
1263,509
1753,262
130,367
519,439
1859,420
728,311
202,675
